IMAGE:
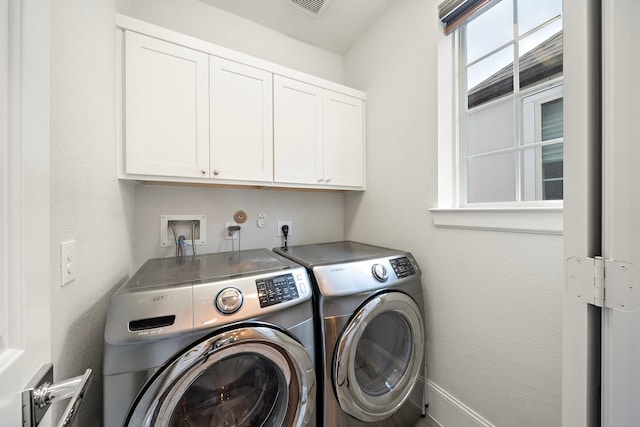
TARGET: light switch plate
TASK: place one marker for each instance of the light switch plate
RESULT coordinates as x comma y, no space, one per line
68,262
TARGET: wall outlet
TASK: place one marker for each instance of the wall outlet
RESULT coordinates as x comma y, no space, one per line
281,223
230,235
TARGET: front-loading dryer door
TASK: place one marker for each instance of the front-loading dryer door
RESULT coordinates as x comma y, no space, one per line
251,376
378,357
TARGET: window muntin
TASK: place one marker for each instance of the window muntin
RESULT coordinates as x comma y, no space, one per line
501,71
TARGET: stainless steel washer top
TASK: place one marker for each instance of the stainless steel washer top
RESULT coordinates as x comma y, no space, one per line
333,253
172,296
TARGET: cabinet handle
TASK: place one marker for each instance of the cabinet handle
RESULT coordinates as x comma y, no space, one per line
320,180
328,180
216,172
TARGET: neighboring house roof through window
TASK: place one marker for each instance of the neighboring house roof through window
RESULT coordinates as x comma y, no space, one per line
542,62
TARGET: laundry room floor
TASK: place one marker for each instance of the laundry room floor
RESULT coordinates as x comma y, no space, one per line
427,422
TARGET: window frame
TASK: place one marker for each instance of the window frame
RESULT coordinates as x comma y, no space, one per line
539,217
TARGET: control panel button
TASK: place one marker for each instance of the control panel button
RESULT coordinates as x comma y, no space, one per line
380,272
275,290
229,300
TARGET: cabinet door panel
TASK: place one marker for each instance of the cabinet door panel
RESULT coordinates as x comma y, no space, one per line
343,140
241,120
298,132
166,108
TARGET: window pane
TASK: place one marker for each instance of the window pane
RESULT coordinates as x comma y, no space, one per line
541,55
552,172
551,117
491,178
491,128
490,78
542,173
532,13
489,31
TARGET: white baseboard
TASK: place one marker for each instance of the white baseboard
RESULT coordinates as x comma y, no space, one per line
448,411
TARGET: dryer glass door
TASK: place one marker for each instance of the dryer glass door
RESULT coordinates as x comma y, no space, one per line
250,376
379,357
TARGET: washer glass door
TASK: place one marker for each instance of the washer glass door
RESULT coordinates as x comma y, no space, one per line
379,357
251,376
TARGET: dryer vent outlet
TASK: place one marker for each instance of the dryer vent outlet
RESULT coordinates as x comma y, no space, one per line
311,7
192,227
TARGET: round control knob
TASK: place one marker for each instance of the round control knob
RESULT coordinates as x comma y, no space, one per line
229,300
380,272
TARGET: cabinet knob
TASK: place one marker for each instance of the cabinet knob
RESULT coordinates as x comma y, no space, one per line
216,172
203,172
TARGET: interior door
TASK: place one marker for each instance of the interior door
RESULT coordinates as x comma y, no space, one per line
621,203
24,199
582,206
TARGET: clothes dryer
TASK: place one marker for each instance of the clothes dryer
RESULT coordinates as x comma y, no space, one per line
211,340
370,333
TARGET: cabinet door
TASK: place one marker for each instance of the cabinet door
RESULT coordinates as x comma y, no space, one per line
298,132
166,108
343,140
241,120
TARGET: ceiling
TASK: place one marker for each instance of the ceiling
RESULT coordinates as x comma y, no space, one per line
336,27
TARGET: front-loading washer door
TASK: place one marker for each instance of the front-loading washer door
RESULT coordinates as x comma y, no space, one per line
378,357
254,376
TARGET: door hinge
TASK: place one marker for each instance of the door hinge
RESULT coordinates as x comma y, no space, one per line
604,283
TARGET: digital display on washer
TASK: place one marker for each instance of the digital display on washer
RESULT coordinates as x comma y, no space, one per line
275,290
402,267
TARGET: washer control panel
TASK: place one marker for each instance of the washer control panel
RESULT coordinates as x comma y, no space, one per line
277,289
402,266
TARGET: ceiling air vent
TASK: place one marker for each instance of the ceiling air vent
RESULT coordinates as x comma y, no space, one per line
312,7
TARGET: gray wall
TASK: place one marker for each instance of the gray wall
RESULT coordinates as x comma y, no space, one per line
493,299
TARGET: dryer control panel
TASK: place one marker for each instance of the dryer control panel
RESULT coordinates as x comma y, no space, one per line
402,266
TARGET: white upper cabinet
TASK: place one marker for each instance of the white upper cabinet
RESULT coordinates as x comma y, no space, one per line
319,137
343,140
298,150
241,121
198,113
166,108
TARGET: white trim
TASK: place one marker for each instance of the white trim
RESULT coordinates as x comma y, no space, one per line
446,410
4,175
536,220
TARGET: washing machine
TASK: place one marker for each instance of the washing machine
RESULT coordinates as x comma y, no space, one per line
222,339
370,333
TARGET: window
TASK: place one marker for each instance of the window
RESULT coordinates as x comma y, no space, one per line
511,132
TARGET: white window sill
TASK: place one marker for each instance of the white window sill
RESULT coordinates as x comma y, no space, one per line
536,220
